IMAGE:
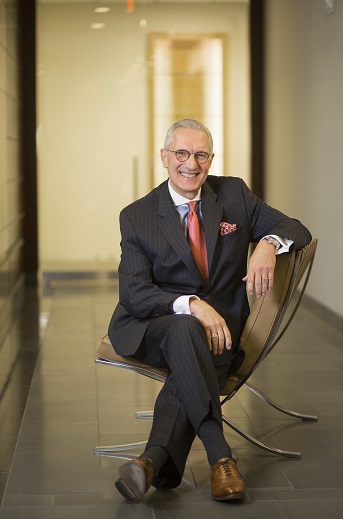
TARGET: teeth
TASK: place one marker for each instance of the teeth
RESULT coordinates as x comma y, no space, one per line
189,175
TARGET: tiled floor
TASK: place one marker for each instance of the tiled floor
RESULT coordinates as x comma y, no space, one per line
74,405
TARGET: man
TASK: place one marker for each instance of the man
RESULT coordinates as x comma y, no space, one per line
185,310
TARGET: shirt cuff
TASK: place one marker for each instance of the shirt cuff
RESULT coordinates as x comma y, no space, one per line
181,305
284,242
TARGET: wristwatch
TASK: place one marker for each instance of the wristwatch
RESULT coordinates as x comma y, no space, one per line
273,241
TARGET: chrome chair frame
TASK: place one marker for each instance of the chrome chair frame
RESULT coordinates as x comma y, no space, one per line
298,263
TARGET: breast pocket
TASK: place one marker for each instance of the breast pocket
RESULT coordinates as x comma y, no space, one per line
229,238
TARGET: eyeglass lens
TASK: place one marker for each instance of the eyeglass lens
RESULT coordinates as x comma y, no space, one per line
183,155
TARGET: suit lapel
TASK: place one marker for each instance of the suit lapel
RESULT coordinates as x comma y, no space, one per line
212,212
169,223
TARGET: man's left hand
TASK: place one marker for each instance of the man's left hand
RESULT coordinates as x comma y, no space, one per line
260,275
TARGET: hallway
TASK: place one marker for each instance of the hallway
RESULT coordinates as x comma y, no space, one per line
73,405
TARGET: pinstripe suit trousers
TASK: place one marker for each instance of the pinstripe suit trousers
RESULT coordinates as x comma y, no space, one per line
191,391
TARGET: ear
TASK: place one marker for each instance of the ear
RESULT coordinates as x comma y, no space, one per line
164,157
212,157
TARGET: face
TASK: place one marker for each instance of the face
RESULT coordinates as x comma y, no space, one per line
187,177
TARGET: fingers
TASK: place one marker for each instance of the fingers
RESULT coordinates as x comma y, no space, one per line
260,276
218,334
263,283
259,283
270,282
218,340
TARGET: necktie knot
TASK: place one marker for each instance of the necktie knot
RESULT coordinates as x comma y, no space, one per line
192,206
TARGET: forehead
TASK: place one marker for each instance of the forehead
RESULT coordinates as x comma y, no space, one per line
190,139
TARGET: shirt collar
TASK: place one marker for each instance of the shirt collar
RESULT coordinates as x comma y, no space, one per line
181,200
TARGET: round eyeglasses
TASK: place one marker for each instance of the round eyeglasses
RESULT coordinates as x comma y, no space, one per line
182,155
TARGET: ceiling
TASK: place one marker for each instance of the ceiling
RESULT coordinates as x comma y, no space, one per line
109,2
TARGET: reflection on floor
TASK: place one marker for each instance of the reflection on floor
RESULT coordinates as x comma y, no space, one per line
74,405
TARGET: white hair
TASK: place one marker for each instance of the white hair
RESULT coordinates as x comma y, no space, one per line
187,123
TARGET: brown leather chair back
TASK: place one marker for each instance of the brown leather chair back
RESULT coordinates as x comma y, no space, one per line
263,324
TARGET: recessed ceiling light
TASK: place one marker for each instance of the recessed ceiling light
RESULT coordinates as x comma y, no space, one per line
98,26
102,9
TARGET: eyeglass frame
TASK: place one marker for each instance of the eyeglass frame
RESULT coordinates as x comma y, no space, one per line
189,154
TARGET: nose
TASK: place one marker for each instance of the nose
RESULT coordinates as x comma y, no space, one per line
191,161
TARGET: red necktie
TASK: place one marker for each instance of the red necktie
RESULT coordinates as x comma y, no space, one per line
196,239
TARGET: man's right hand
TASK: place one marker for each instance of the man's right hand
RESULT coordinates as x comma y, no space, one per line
218,334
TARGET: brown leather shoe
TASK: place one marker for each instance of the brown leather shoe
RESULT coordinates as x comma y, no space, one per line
226,481
135,478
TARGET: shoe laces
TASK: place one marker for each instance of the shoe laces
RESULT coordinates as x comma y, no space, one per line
226,467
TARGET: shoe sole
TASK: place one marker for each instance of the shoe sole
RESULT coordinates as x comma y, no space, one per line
125,492
228,497
131,483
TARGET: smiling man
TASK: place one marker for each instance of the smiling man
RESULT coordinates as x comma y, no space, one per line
183,303
189,161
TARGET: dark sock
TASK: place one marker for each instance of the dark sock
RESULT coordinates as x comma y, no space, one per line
212,436
158,455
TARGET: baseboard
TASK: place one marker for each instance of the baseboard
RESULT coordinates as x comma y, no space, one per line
54,278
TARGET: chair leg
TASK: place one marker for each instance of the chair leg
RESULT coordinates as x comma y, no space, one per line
304,417
257,443
117,450
114,449
144,415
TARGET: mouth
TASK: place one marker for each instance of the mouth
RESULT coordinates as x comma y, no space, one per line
188,175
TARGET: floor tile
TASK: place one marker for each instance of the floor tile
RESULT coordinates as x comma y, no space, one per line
43,472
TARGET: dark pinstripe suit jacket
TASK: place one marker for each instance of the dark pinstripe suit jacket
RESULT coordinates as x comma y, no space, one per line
157,265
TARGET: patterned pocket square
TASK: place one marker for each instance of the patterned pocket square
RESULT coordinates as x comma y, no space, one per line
226,228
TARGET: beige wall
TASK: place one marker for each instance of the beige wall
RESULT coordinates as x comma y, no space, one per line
304,140
93,118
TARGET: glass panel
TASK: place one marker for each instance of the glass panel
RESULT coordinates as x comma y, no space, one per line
186,80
